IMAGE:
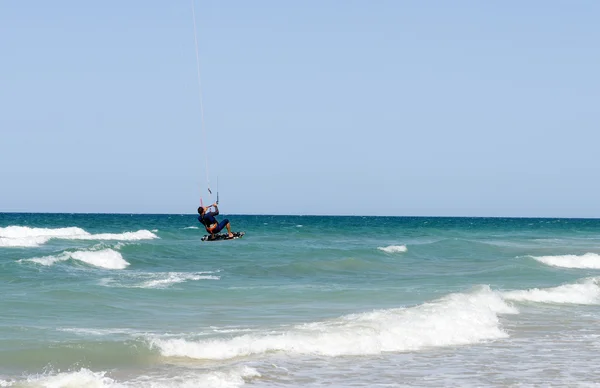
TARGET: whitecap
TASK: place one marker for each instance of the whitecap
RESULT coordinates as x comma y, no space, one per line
105,258
24,236
588,260
157,280
393,249
457,319
81,378
586,293
232,377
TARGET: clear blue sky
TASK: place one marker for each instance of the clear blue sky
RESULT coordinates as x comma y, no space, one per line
442,108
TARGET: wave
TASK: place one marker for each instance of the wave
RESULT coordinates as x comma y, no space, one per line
105,258
157,280
393,249
457,319
231,377
586,292
98,332
82,378
165,280
588,260
24,236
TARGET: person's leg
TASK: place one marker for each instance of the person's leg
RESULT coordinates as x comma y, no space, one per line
224,224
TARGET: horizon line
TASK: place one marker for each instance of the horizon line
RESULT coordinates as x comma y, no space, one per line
305,215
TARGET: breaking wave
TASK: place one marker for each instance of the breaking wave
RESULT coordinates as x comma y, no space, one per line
586,292
156,280
24,236
588,260
232,377
457,319
393,249
105,258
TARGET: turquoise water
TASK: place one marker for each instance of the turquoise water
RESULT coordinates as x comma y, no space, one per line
91,300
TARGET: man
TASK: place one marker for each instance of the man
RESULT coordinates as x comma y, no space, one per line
210,222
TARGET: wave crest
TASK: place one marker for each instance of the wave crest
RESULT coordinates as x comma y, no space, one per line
588,260
227,377
157,280
24,236
457,319
82,378
393,249
105,258
587,292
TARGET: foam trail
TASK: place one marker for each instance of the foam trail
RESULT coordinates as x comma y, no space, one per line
82,378
457,319
155,280
393,249
24,236
586,292
174,278
105,258
228,378
127,236
589,260
98,332
164,280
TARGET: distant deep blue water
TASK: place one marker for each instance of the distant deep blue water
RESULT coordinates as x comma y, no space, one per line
103,300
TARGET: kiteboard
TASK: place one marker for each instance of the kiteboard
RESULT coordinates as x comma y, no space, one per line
222,236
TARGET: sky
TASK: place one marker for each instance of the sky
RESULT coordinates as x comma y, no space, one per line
324,107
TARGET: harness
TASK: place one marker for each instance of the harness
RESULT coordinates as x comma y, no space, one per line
203,221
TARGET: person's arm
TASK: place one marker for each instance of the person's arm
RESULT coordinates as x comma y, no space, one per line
216,212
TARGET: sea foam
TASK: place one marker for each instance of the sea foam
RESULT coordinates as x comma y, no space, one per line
105,258
226,378
24,236
171,278
586,292
82,378
393,249
457,319
588,260
156,280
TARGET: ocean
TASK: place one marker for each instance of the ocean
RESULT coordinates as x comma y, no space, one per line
115,300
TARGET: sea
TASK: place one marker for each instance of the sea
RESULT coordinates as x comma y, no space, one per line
134,300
